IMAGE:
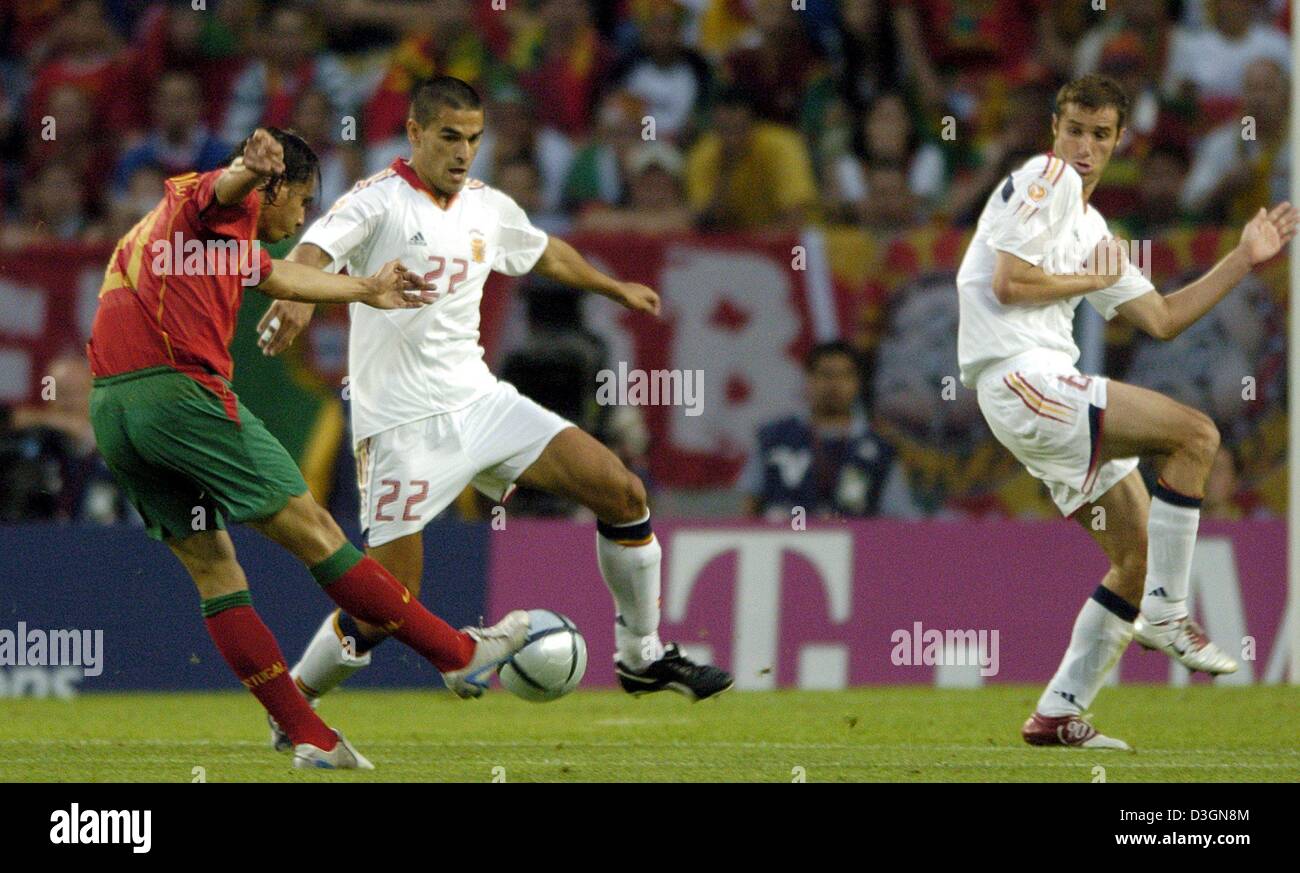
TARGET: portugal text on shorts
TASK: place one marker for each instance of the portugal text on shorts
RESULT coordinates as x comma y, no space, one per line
36,647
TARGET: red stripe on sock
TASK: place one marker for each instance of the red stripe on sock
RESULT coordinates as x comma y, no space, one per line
252,652
372,594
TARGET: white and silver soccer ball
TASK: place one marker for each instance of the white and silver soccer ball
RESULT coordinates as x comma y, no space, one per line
551,663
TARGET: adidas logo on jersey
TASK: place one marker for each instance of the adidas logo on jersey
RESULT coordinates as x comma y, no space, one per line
417,240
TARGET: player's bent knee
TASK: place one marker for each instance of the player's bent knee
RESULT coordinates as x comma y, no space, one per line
634,498
1202,437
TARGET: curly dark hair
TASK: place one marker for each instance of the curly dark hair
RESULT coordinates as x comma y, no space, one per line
300,162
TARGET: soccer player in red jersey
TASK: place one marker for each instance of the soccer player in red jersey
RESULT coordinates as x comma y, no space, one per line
191,457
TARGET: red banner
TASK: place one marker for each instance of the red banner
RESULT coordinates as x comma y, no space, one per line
48,296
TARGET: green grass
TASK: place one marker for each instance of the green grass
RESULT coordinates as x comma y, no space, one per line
879,734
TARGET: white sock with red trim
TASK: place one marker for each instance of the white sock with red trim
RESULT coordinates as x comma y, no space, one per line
326,661
629,558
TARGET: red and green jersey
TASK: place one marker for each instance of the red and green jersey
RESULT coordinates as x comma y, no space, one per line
173,286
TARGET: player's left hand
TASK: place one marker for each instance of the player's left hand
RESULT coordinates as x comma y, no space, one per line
396,287
638,298
1268,232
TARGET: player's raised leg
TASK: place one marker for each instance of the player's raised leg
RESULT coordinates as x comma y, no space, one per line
1104,626
252,652
1183,442
363,588
342,644
576,466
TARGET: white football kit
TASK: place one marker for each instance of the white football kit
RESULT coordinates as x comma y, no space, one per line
428,417
1021,358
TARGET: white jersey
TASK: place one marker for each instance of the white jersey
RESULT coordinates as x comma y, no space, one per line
1038,215
409,364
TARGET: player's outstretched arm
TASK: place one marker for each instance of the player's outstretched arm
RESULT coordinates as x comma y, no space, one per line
1166,316
284,320
393,287
562,263
1018,282
262,158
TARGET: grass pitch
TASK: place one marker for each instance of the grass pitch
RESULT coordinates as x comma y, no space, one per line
876,734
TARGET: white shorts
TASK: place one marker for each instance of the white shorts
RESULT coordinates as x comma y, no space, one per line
410,473
1051,420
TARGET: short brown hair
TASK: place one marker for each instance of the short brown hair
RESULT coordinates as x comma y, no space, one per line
1094,92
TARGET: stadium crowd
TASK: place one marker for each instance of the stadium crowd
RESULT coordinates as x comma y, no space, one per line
658,116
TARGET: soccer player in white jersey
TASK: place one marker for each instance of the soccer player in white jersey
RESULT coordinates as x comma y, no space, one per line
1038,251
429,418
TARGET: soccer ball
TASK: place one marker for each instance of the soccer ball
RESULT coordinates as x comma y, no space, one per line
550,664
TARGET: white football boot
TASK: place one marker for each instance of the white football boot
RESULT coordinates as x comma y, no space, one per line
342,757
1183,640
495,644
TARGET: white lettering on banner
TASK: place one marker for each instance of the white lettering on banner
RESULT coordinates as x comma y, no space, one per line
1214,580
757,614
735,314
59,682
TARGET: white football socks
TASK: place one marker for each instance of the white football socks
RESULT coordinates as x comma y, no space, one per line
629,557
1171,540
1096,643
326,661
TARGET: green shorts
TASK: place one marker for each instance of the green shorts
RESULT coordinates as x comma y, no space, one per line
180,459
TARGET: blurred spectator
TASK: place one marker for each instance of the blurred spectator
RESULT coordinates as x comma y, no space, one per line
85,53
1151,120
208,44
289,64
828,462
511,134
886,135
50,469
655,202
1210,64
949,44
143,190
746,174
437,39
1159,209
889,205
341,161
1061,28
52,211
520,179
598,170
76,142
1150,19
776,64
179,142
1232,175
869,60
562,62
669,78
1026,132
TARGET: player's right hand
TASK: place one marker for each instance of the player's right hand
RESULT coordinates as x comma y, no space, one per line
262,154
281,324
1107,262
395,287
